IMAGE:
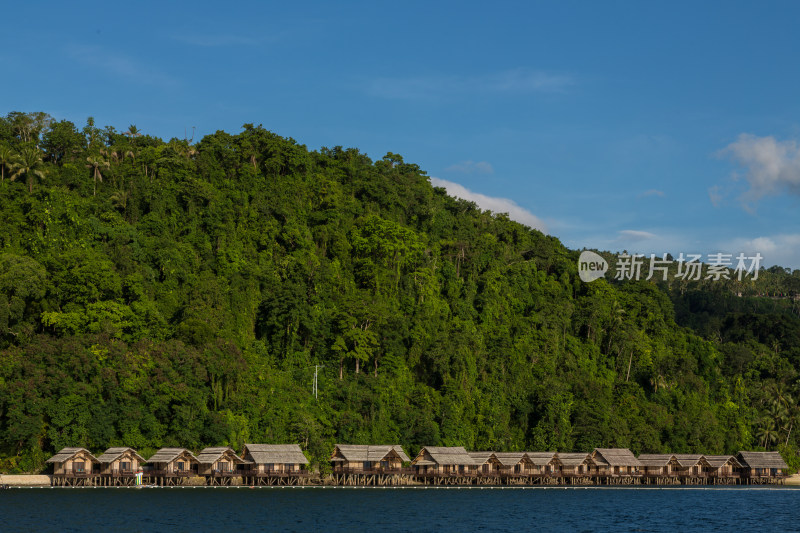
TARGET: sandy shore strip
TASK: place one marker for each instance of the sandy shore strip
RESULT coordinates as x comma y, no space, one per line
792,480
24,480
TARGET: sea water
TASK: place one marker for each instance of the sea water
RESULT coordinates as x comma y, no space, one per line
318,509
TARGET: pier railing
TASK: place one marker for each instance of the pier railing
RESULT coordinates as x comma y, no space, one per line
277,473
376,471
170,473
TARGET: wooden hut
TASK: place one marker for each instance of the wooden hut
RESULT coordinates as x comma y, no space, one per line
119,466
657,464
690,465
574,465
544,463
659,468
219,465
75,467
613,464
450,465
366,458
722,468
761,467
369,464
514,464
171,466
274,464
487,465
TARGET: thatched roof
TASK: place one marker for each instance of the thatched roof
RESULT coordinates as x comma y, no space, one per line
762,460
615,457
509,458
167,455
212,455
541,458
688,460
444,455
572,459
481,458
275,454
716,461
66,454
655,460
112,454
359,453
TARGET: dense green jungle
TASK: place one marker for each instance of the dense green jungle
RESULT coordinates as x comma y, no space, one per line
185,293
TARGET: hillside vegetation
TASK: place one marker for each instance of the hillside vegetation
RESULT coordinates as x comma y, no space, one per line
182,294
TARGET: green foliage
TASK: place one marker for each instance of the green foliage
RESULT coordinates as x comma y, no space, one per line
175,294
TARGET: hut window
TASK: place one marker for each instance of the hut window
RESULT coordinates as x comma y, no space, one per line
125,465
181,466
78,466
367,465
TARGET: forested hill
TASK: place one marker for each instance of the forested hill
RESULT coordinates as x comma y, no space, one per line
183,294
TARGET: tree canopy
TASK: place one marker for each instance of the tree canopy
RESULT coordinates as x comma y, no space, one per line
164,293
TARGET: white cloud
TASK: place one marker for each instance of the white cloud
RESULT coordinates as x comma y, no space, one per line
520,80
471,167
492,203
632,235
119,65
653,192
771,165
781,249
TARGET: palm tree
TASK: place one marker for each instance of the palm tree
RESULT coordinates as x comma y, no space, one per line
29,165
120,200
132,132
8,160
767,433
96,162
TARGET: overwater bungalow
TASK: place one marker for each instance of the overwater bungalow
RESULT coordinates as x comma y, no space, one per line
514,464
445,464
761,467
274,464
613,463
119,466
357,458
219,465
574,465
722,468
544,463
369,464
659,468
171,466
658,464
75,467
690,465
486,463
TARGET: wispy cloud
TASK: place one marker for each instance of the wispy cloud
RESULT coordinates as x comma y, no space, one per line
715,195
632,235
771,166
208,40
492,203
520,80
652,192
471,167
120,66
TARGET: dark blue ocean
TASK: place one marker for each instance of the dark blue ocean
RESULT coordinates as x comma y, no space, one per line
412,509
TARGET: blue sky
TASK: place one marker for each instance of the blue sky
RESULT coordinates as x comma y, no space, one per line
646,126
